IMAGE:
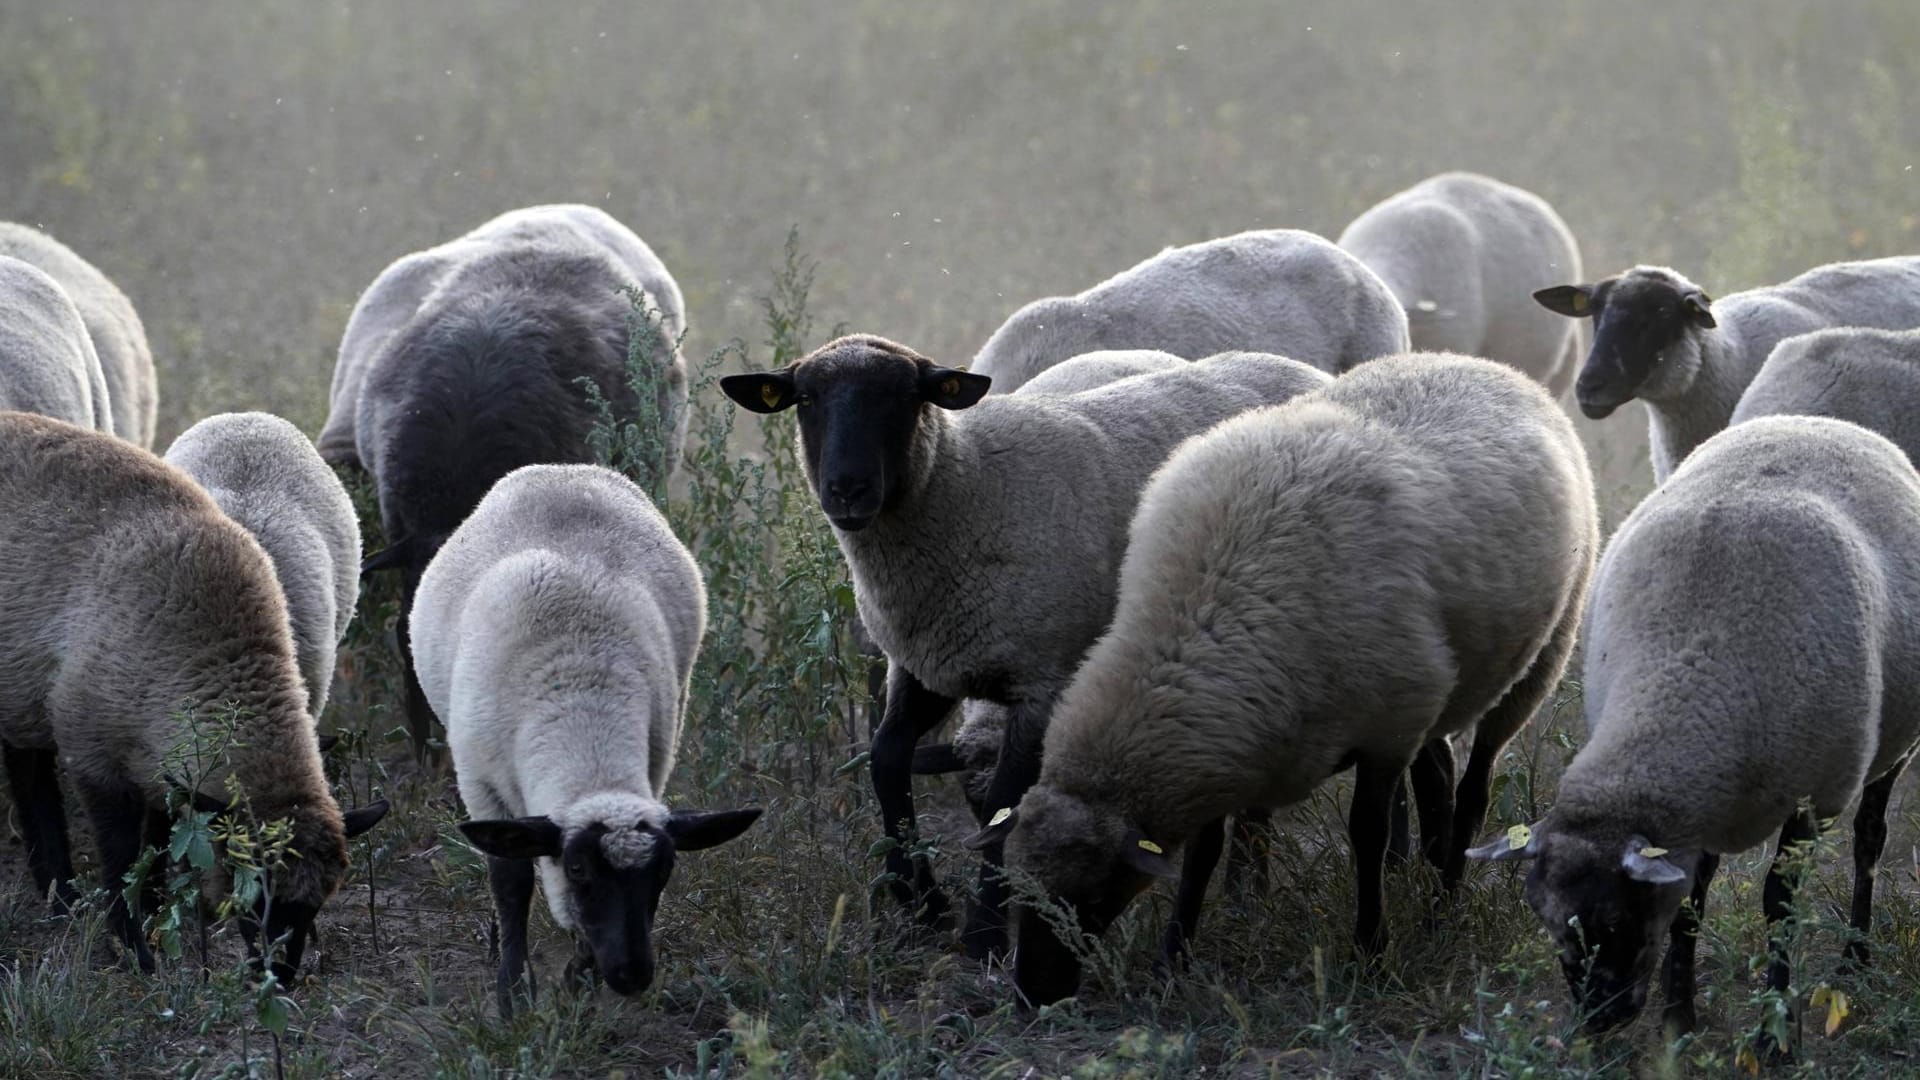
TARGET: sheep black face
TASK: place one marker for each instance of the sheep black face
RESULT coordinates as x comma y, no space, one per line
1090,863
613,877
289,906
860,402
1609,908
1641,321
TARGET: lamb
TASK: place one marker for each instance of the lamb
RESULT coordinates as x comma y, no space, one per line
1280,291
984,538
1462,252
556,632
47,363
265,475
1871,377
1340,581
1658,337
126,595
113,327
1751,665
463,363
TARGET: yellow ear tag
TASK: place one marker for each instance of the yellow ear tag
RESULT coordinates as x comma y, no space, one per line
1518,837
1000,815
1652,852
1579,303
770,394
1148,845
950,387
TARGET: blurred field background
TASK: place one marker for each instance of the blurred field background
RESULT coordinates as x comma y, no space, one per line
244,169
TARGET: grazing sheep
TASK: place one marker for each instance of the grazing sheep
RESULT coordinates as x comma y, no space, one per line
1462,252
127,596
984,539
1095,369
1337,582
119,339
1871,377
481,374
1751,665
266,475
47,362
1279,291
1659,338
556,632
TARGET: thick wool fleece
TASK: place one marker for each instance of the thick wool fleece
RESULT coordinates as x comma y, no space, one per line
1871,377
1750,641
1095,369
1464,254
555,635
1346,576
47,362
126,595
1279,291
266,475
114,328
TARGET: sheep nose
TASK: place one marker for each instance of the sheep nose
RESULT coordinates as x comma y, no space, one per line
847,489
628,978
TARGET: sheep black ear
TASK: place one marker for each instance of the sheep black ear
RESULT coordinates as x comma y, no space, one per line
361,818
951,388
1699,308
693,830
515,838
995,831
1519,842
1573,301
761,391
396,556
1148,857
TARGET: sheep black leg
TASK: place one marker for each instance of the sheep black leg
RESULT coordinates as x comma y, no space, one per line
419,712
34,779
1432,775
1399,827
1248,857
1367,828
512,883
1783,878
1196,870
877,690
119,812
912,711
1016,770
1869,840
1677,975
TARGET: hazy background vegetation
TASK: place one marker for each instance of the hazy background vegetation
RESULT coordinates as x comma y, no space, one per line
243,168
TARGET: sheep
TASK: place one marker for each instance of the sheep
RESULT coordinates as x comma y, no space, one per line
1750,666
113,326
126,596
1095,369
1335,582
1660,338
47,363
1280,291
265,475
1462,252
984,538
480,375
555,633
1871,377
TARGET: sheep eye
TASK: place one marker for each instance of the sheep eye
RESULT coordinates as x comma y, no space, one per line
577,871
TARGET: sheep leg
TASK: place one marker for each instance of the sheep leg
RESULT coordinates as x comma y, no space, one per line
1399,828
1432,775
877,690
1249,854
1869,840
512,883
912,711
1016,770
1196,870
34,779
1677,980
119,812
1783,879
1367,829
419,712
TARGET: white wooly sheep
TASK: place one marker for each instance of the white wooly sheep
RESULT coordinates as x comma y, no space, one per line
1336,582
1871,377
1279,291
119,339
985,538
1095,369
267,476
555,634
1751,665
410,283
1660,338
1464,253
47,362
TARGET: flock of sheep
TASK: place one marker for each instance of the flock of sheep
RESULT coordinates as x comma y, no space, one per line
1178,549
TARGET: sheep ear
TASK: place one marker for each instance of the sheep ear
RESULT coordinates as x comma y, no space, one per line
361,818
1519,842
996,829
951,388
936,760
693,830
1573,301
1699,309
515,838
1644,862
761,391
396,556
327,742
1148,857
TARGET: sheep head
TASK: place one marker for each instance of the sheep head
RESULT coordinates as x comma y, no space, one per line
1644,321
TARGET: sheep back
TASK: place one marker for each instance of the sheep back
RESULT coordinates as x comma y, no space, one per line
47,363
1095,369
1871,377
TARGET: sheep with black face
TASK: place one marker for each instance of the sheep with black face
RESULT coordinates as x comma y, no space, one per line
1660,338
556,632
